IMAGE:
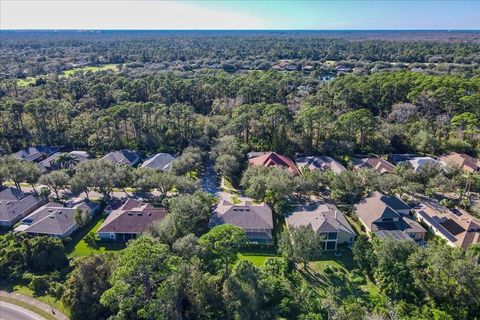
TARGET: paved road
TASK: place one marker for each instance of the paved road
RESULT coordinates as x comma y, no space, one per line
31,301
12,312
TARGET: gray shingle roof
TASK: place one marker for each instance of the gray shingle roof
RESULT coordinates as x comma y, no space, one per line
35,153
321,218
54,219
377,207
160,161
244,215
15,204
124,156
48,162
320,163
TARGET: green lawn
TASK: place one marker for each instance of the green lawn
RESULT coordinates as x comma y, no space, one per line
26,82
68,73
71,72
256,258
78,247
342,258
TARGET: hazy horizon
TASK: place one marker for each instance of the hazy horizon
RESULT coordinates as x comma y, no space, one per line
237,15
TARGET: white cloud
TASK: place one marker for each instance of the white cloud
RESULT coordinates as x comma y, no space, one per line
103,14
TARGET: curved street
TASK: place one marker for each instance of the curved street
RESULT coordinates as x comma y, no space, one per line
13,312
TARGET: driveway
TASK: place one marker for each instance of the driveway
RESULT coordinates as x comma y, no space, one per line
209,182
209,178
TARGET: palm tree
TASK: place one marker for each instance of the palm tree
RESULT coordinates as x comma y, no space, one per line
66,161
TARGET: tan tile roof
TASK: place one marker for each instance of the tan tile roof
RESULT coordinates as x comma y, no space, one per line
456,225
379,164
464,161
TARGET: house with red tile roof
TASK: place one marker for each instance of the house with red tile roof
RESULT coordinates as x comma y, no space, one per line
130,220
273,159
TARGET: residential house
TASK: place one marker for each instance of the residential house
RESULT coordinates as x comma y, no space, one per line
323,163
124,156
275,160
55,219
326,220
291,67
35,154
464,161
376,163
49,163
388,216
342,68
130,220
255,219
255,154
160,161
396,158
456,226
420,162
15,205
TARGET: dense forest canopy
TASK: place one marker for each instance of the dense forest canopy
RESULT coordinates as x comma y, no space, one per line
36,53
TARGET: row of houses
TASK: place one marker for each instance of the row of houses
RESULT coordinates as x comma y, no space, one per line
464,161
46,157
380,215
378,164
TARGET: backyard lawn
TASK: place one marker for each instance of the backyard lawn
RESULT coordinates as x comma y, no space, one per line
256,258
342,258
78,247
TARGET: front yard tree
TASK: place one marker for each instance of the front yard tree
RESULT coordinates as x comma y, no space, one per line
227,165
223,243
98,174
55,180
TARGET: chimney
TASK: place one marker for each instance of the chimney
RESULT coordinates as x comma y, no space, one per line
336,214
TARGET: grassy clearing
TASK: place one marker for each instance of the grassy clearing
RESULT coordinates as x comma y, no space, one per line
78,247
29,307
71,72
68,73
26,82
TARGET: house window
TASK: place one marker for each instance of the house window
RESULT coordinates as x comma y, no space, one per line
330,245
332,236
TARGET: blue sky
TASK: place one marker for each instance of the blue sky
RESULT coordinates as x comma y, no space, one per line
160,14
